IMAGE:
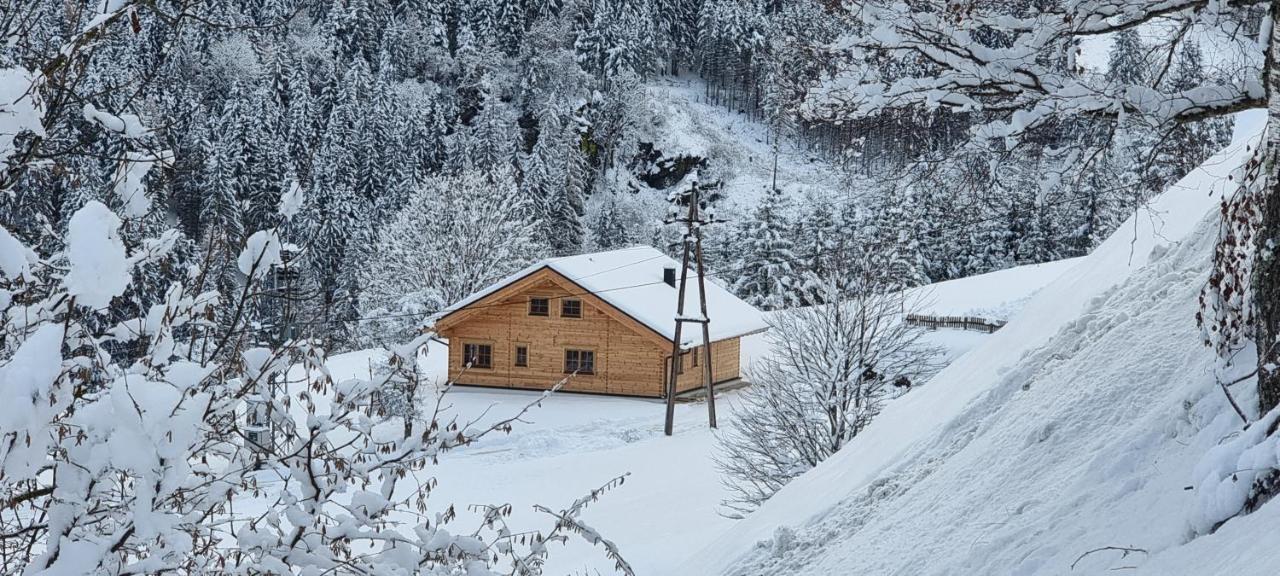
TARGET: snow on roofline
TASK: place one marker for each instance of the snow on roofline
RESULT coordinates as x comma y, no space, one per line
631,280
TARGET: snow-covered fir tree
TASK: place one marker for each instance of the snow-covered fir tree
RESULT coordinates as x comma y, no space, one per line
765,271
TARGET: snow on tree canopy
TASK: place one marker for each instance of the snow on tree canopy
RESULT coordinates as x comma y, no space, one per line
28,380
99,267
15,258
20,109
261,252
129,177
291,200
126,125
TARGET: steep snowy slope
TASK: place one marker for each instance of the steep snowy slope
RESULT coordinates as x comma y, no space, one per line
738,148
1074,428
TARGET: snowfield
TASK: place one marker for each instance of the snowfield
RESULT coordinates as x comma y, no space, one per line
572,443
1067,442
1069,437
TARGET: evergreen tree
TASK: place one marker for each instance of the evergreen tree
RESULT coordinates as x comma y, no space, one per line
766,275
609,228
509,26
1126,62
545,173
221,215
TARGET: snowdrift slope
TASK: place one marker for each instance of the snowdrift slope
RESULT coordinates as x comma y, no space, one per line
1076,427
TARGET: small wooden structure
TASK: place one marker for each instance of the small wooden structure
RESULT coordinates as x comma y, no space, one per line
958,322
606,318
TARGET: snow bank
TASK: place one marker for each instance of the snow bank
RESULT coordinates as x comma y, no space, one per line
995,499
1226,474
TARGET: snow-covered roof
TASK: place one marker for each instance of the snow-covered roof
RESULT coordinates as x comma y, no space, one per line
631,280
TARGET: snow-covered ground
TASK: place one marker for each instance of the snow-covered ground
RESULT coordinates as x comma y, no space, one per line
569,445
572,443
738,148
996,295
1077,427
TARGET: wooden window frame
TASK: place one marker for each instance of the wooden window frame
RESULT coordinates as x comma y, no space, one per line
466,357
515,356
565,302
577,362
546,303
694,352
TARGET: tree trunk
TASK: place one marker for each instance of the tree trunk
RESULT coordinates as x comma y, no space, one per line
1266,288
1267,284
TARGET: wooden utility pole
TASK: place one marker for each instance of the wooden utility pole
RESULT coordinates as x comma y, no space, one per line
692,242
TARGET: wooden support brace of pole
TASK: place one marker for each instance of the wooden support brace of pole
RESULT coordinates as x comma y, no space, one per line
706,320
693,232
674,366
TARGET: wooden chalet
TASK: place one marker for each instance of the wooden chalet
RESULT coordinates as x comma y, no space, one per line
608,318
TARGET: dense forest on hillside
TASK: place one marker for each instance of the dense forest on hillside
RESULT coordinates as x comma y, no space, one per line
433,146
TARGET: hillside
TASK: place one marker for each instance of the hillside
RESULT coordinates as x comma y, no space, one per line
739,148
1079,426
572,443
732,150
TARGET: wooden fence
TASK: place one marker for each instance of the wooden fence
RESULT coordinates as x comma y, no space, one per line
958,322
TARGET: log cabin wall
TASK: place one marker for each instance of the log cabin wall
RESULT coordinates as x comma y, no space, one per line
627,361
724,364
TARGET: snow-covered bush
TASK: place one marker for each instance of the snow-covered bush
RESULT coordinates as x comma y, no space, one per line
1237,476
832,368
155,465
